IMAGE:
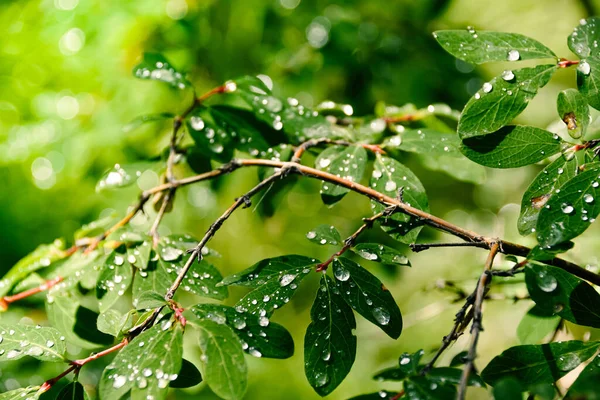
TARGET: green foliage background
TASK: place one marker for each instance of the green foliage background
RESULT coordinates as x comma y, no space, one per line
66,91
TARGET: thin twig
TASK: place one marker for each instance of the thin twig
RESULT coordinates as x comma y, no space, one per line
476,327
6,300
317,142
161,212
418,247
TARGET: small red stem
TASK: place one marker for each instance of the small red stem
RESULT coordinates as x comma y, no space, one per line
398,395
564,63
6,300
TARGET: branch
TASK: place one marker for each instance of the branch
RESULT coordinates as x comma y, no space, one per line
6,300
317,142
163,208
416,248
476,327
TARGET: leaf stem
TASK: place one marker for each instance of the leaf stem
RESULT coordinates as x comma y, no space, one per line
6,300
564,63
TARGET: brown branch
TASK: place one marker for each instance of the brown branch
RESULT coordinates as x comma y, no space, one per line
163,208
476,327
6,300
418,247
317,142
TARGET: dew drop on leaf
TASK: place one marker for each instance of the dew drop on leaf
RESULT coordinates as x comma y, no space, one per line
567,208
546,282
390,186
588,198
381,316
513,55
197,123
568,362
321,379
508,75
342,274
584,68
487,87
287,279
120,380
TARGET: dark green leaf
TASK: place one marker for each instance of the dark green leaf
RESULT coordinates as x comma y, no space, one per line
73,391
146,365
259,336
460,168
324,234
150,300
452,375
499,101
459,359
388,177
114,323
426,141
188,376
512,146
508,389
380,253
157,67
534,364
367,295
115,278
329,344
573,109
485,46
144,119
211,140
348,162
588,80
586,385
536,325
548,253
585,37
271,269
140,256
421,388
41,257
569,213
409,363
197,160
391,374
382,394
29,393
223,365
121,176
243,126
17,341
558,292
542,188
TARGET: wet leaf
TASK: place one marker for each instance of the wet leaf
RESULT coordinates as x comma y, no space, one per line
212,140
557,292
146,365
426,141
535,364
380,253
121,176
543,186
223,365
502,99
259,336
485,46
569,213
43,343
144,119
29,393
585,38
573,109
382,394
367,296
150,300
536,325
246,130
271,269
511,147
329,344
388,177
140,256
420,387
73,391
588,80
188,376
114,280
324,234
114,323
156,67
586,385
348,162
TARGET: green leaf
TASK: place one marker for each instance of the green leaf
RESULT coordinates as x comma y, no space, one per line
420,387
460,168
18,341
388,177
75,322
512,146
409,363
348,162
244,127
588,80
499,101
585,37
154,278
114,280
223,365
534,364
573,109
367,296
459,359
324,234
485,46
426,141
259,336
29,393
380,253
329,343
569,213
188,376
41,257
73,391
114,323
545,184
508,389
558,292
146,365
382,394
211,140
452,375
536,325
586,385
144,119
548,253
157,67
140,256
271,269
150,300
391,374
121,176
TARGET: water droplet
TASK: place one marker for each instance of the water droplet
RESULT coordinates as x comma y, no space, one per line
170,253
311,235
368,256
324,162
381,316
584,68
326,356
341,274
588,198
568,362
390,186
239,323
513,55
263,321
567,208
120,380
546,282
255,353
508,75
147,372
287,279
119,260
487,87
404,360
197,123
142,383
321,379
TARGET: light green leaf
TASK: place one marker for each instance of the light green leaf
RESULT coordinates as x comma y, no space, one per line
271,269
544,185
150,300
43,343
121,176
329,344
499,101
144,119
115,278
588,80
114,323
348,162
536,325
535,364
388,177
324,234
223,365
512,146
28,393
146,365
485,46
585,38
569,213
380,253
573,109
367,296
426,141
156,67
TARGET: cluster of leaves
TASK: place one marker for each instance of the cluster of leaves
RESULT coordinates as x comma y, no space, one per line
130,271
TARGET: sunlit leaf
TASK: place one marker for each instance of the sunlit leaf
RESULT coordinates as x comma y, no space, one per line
248,133
43,343
573,109
29,393
121,176
586,385
115,278
144,119
380,253
156,67
585,38
536,325
347,162
426,141
324,234
114,323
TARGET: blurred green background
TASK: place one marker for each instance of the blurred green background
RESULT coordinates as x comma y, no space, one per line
66,91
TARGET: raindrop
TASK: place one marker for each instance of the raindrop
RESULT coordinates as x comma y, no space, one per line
390,186
404,360
381,316
584,68
263,321
341,274
321,379
311,235
487,87
546,282
197,123
588,198
513,55
567,208
49,343
508,75
119,260
368,256
287,279
326,356
255,353
147,372
119,381
568,362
